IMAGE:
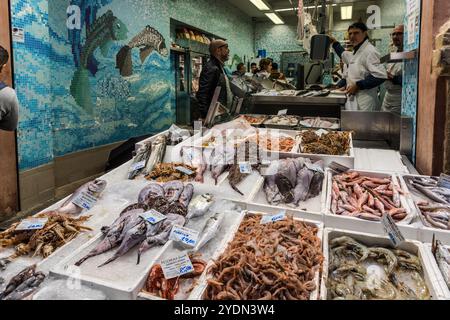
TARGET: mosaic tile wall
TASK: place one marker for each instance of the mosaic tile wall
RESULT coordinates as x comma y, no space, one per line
55,65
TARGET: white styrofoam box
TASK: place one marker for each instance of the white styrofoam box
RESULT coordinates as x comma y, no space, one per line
445,293
198,292
369,239
379,160
409,231
346,160
426,232
230,224
313,208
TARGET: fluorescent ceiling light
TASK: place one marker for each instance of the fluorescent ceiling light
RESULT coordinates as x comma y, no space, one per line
310,7
274,17
260,5
347,12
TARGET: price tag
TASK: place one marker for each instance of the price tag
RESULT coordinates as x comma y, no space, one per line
392,230
85,200
177,266
185,236
283,112
32,224
153,216
184,170
273,218
245,168
444,181
137,165
338,167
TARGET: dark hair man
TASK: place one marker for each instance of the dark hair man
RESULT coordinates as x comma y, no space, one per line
9,105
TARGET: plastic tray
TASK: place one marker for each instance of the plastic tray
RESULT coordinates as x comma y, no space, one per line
267,123
257,124
415,247
445,288
197,294
335,121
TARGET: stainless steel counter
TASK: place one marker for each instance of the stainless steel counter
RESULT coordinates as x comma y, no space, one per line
332,100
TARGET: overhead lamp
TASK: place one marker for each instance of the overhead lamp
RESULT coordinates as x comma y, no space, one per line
260,5
346,12
274,17
310,7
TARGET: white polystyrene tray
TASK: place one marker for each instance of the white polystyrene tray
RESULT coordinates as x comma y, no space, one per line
426,232
368,239
445,292
197,294
409,231
229,226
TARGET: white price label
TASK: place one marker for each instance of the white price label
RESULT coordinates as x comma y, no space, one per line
185,236
184,170
283,112
273,218
85,200
137,165
392,230
245,168
153,216
177,266
32,224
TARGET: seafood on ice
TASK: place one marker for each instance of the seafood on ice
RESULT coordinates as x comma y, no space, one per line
361,272
274,261
158,285
193,157
165,172
325,142
200,205
292,181
283,120
58,230
272,142
319,123
23,284
157,153
368,198
141,158
210,230
254,119
442,256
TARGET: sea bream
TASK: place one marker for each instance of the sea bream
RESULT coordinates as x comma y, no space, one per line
193,157
147,40
209,230
200,205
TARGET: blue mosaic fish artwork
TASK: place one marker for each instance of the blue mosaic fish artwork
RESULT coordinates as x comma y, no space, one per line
113,87
88,11
104,31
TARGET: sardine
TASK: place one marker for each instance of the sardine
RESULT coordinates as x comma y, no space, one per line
132,237
153,190
271,190
173,190
142,155
96,187
200,205
157,153
186,195
162,236
193,157
304,178
209,231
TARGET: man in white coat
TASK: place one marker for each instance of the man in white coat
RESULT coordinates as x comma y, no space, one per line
365,71
9,105
393,98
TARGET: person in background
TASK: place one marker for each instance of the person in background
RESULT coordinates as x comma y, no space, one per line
240,70
276,74
9,105
393,98
212,76
265,69
253,68
365,71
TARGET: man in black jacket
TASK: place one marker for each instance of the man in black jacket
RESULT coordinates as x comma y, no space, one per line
212,76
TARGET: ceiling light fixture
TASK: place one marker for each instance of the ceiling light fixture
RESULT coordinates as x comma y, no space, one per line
310,7
260,5
274,17
346,12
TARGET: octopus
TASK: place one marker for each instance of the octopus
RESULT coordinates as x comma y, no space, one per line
164,288
332,143
275,261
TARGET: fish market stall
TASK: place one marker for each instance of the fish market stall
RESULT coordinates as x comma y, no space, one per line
439,254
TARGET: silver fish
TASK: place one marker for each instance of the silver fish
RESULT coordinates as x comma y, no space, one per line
173,190
162,236
147,40
442,255
96,187
186,195
153,190
141,156
429,193
157,154
193,157
200,205
209,230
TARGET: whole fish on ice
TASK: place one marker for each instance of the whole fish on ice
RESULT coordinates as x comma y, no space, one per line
193,157
210,230
200,205
173,190
157,153
142,155
153,190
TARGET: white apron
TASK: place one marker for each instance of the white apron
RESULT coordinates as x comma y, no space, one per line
365,62
393,98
